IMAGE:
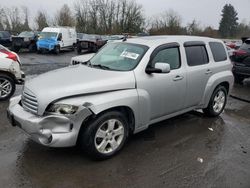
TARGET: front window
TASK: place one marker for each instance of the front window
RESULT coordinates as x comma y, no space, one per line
170,56
26,34
47,35
119,56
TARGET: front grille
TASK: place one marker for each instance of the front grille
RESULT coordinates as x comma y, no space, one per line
29,102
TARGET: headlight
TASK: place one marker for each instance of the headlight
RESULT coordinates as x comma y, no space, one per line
62,108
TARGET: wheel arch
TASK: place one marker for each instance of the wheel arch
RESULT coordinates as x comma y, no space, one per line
129,113
8,74
225,79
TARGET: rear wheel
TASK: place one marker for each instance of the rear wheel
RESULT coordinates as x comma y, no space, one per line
7,87
105,136
217,102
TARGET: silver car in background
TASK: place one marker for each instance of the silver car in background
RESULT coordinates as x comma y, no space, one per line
123,89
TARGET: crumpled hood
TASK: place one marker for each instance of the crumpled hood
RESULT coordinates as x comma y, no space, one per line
47,42
76,80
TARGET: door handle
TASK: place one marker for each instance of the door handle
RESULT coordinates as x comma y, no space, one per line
209,71
177,78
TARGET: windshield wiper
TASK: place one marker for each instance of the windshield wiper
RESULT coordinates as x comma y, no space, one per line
100,66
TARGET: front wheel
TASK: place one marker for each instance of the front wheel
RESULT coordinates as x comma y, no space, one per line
105,136
7,87
217,102
57,49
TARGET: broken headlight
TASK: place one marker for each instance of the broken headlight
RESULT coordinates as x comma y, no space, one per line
62,109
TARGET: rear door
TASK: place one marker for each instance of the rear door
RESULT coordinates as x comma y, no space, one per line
198,72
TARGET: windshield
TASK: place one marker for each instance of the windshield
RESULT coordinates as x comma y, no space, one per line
46,35
119,56
26,34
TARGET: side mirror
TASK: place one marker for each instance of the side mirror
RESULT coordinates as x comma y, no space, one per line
164,67
159,68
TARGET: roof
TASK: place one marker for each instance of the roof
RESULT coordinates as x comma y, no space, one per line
158,40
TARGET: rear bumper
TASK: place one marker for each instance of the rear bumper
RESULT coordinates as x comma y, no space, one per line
48,130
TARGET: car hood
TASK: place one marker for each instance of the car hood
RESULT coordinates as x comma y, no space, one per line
47,40
74,81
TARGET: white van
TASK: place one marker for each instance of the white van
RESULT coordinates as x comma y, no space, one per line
56,39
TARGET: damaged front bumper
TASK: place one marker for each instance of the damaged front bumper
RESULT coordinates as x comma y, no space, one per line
49,130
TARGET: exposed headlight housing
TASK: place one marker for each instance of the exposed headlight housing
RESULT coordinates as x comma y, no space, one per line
62,109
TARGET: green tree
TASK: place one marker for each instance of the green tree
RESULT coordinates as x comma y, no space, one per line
229,22
41,20
64,17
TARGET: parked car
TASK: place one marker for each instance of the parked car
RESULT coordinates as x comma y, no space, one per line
10,73
115,38
56,38
26,39
241,62
5,38
81,59
123,89
91,43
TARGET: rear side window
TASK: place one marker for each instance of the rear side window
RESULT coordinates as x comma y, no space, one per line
218,51
196,55
170,56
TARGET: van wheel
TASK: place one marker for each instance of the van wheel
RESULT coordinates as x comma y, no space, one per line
217,102
7,87
105,136
57,49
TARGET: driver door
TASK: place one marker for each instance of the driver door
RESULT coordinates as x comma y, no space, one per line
166,91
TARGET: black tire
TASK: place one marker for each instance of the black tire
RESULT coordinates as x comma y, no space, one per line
210,111
88,140
12,88
238,79
79,50
39,51
57,49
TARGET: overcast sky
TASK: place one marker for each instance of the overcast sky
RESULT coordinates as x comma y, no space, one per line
207,12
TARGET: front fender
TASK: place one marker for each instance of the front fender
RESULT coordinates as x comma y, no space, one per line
213,82
100,102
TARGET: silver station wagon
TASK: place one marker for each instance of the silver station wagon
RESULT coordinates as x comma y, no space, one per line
123,89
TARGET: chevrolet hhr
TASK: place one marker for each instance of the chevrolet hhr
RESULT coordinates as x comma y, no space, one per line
123,89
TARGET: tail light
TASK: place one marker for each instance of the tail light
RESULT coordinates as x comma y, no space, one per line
10,55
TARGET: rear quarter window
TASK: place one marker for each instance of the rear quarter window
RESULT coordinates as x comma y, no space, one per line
218,51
